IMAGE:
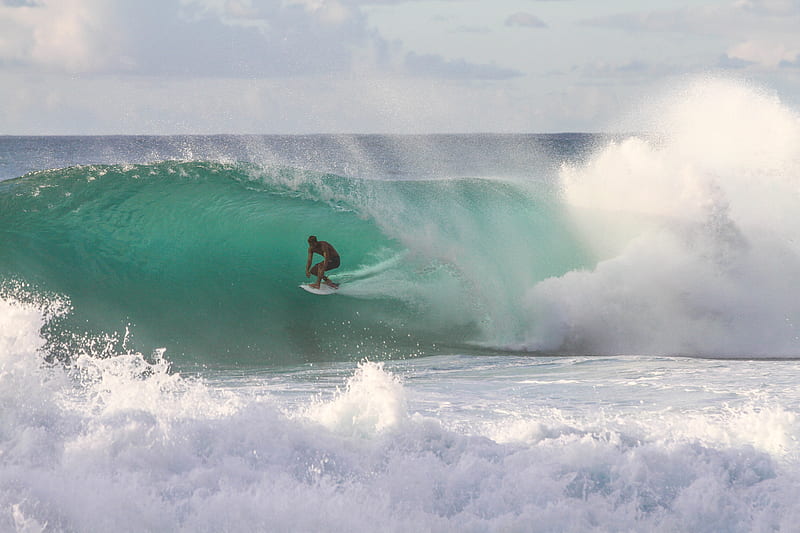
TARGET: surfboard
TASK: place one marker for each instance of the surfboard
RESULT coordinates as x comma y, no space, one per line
323,289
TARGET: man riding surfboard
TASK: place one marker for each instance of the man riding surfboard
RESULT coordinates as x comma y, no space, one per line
330,261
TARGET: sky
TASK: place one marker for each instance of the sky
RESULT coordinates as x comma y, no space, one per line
373,66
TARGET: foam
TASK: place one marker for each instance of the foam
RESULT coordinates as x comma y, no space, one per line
19,330
124,444
709,250
372,402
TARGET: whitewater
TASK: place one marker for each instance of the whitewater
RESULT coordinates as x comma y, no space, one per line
566,332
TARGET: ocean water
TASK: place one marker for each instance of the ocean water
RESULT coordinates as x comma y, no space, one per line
560,332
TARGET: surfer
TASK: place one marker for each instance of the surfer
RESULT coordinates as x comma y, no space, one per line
330,261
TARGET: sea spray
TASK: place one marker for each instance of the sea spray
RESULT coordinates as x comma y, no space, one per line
706,260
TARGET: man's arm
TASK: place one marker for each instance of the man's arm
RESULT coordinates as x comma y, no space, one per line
308,262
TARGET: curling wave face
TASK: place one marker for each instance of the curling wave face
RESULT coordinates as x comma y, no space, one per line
204,258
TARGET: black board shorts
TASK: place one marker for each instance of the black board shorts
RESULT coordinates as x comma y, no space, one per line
332,263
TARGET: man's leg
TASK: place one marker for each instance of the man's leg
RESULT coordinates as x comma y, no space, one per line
316,270
332,264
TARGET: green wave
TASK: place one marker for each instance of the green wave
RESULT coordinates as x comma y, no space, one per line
204,258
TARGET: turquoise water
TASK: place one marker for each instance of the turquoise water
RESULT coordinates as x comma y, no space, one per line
204,259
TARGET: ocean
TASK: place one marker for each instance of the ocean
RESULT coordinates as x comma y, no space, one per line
534,332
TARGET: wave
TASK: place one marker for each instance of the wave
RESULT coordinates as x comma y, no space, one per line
678,242
204,258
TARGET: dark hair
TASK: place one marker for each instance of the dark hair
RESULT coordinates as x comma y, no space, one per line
312,239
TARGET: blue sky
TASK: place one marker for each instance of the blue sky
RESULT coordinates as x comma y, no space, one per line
373,66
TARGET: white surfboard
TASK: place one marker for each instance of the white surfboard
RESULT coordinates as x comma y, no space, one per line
323,289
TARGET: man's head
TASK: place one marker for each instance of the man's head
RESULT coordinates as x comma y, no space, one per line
312,240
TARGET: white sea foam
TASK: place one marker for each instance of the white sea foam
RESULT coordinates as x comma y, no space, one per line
121,444
705,217
372,402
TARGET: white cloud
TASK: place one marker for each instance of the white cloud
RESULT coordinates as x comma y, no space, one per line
770,7
526,20
771,54
684,20
728,19
244,40
472,29
210,38
68,35
179,38
329,11
760,33
432,65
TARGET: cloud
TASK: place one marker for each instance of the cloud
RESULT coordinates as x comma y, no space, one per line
624,73
472,29
270,40
770,7
727,62
680,20
767,53
68,35
525,20
153,37
760,33
144,37
432,65
725,19
633,69
211,39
